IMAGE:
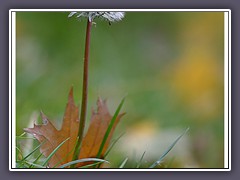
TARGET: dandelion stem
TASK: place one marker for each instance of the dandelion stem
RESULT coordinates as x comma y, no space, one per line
84,93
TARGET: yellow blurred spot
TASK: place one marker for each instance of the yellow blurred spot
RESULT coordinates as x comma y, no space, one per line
146,129
198,76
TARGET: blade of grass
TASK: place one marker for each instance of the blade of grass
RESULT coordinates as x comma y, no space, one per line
19,137
34,150
23,165
90,165
123,163
110,127
53,152
36,160
140,161
18,152
66,156
82,160
21,134
167,151
112,145
32,164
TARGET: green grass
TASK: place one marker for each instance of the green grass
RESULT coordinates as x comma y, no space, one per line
140,161
83,160
36,161
39,162
54,151
24,163
112,145
123,163
156,163
110,127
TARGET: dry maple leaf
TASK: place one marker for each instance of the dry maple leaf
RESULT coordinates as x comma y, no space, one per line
52,138
99,123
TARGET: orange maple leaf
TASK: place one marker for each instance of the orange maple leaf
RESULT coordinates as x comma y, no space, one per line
51,138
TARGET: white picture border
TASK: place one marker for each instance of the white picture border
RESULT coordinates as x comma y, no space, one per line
227,87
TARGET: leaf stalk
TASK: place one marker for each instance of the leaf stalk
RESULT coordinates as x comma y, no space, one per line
84,93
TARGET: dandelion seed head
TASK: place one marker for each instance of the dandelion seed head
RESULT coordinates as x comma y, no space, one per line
108,16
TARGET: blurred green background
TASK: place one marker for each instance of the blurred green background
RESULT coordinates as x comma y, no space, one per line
170,65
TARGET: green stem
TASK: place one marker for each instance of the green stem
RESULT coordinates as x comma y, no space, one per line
84,93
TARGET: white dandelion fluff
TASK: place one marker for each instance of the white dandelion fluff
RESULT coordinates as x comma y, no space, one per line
109,16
